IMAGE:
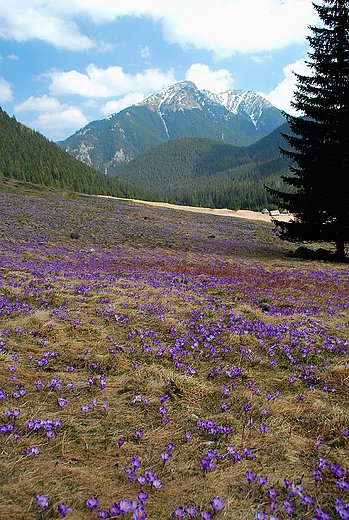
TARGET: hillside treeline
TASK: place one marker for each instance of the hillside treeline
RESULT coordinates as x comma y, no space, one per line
27,155
206,172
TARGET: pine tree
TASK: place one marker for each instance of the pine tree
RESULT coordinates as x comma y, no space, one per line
319,185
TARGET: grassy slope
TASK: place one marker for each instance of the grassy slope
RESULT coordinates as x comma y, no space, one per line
176,297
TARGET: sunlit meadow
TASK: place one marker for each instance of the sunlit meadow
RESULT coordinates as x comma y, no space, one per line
163,364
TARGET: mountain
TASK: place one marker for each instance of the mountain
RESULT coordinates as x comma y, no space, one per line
237,117
27,155
205,172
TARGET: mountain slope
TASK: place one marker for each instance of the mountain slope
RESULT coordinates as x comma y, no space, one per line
180,110
202,171
27,155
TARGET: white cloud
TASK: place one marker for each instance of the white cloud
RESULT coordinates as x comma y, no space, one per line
43,104
223,27
213,80
5,91
24,20
106,83
228,26
145,52
55,119
12,57
114,106
282,94
262,59
68,119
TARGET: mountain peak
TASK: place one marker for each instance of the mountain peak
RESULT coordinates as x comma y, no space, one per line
179,96
238,117
184,95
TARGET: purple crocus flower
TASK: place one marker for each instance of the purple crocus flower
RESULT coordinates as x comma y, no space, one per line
142,497
307,500
296,490
124,506
35,451
262,480
205,515
139,513
92,503
259,515
272,505
63,510
250,477
317,474
42,501
322,463
272,492
102,514
178,513
165,455
217,504
204,463
191,511
288,507
342,509
61,401
115,509
142,480
157,484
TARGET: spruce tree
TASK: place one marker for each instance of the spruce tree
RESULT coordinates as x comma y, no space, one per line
318,193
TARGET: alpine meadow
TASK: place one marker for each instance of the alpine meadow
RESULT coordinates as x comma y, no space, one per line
163,362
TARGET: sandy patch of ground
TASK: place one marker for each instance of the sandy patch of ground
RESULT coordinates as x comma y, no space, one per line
224,212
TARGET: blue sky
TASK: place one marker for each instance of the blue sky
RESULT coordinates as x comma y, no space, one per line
66,62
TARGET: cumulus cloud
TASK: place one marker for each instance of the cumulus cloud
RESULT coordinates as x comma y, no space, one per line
223,27
69,118
24,20
213,80
114,106
106,83
43,104
5,91
282,94
54,119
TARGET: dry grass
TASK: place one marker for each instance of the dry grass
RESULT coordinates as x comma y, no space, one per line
168,298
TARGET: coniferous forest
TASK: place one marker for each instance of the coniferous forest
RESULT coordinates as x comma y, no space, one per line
27,155
199,171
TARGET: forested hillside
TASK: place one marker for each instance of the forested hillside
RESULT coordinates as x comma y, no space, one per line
206,172
27,155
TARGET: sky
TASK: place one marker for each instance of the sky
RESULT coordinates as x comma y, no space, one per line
64,63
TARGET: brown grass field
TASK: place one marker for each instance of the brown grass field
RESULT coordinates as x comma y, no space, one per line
152,303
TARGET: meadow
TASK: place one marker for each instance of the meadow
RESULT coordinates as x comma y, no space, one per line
164,364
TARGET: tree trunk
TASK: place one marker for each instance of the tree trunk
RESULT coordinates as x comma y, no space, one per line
340,250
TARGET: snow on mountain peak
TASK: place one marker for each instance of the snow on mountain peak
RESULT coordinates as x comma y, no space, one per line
184,95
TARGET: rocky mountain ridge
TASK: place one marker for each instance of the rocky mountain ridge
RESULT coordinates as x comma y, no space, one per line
185,95
238,117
